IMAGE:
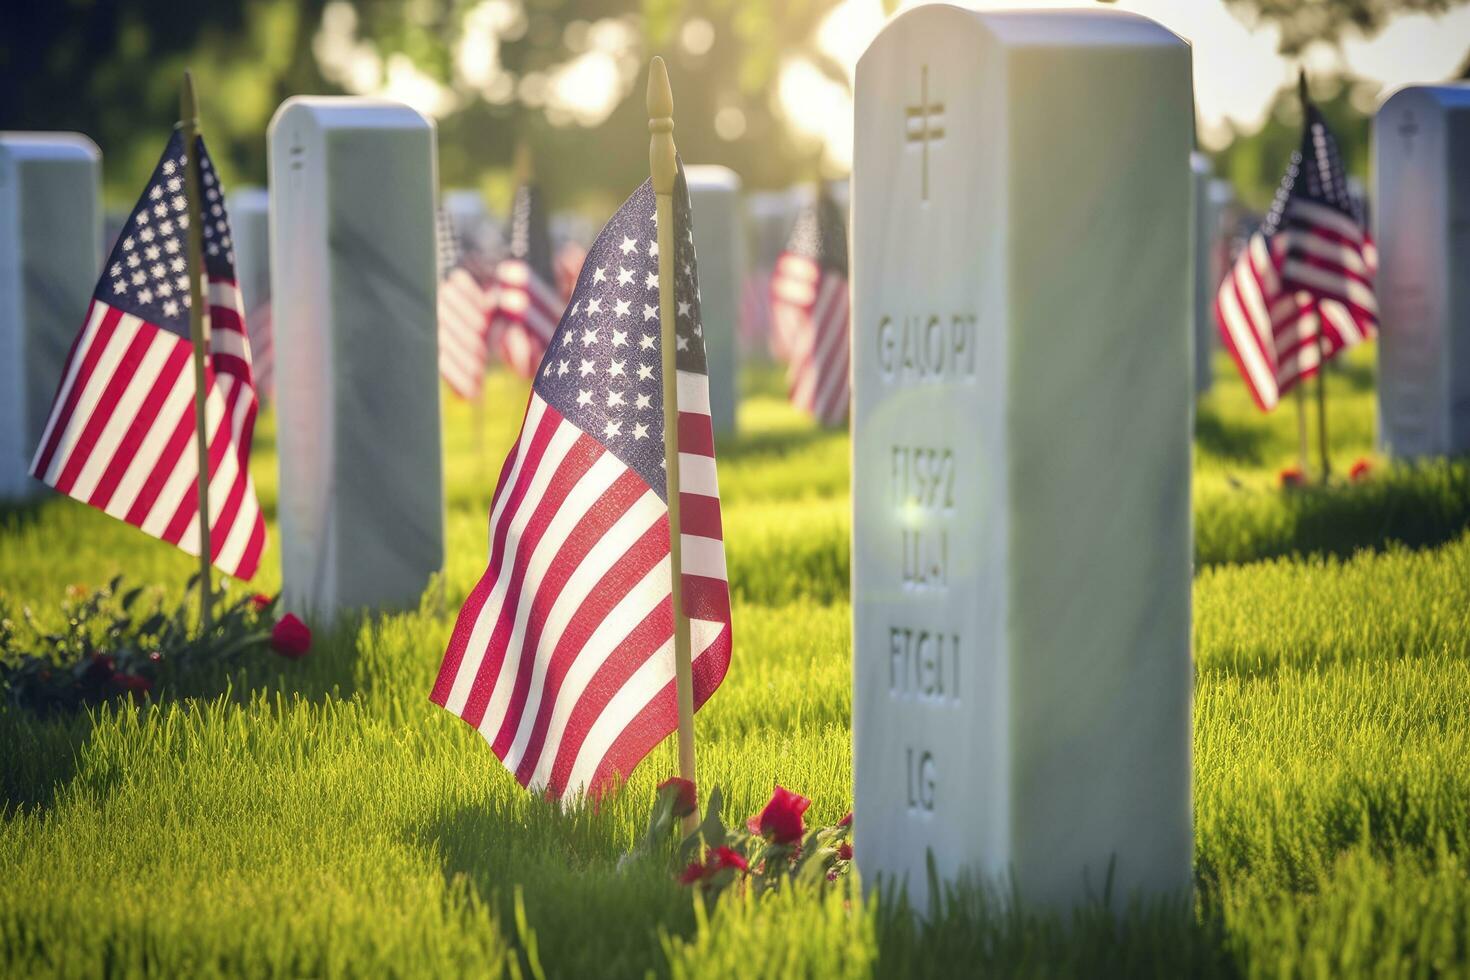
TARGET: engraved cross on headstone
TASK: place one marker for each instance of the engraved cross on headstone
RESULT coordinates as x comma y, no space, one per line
923,124
1407,129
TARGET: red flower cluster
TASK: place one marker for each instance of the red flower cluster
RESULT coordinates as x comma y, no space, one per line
260,602
1360,470
291,638
719,859
781,821
686,801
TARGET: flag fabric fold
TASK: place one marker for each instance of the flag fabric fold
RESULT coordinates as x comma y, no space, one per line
121,435
563,654
527,304
1301,291
809,311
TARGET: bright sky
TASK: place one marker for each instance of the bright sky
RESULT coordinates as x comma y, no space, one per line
1236,70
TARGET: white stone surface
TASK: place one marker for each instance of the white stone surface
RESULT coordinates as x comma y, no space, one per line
719,248
1421,169
1021,458
249,210
50,256
353,276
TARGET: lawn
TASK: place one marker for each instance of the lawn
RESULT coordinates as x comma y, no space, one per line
322,818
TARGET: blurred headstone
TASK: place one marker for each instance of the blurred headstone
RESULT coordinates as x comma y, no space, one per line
1021,452
353,277
472,221
249,209
1421,167
714,197
50,251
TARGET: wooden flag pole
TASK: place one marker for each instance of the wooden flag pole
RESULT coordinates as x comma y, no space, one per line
198,333
664,167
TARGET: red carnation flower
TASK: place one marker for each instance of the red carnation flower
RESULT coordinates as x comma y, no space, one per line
724,857
781,820
1292,477
844,851
260,602
132,682
846,821
290,637
1360,470
692,874
686,800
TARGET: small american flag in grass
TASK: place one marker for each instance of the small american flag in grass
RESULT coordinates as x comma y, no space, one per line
121,435
527,304
464,315
809,311
1301,291
563,655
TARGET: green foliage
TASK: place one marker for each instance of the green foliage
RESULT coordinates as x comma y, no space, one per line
1328,21
108,644
322,818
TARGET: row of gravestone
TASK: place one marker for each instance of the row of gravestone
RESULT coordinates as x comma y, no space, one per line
1022,212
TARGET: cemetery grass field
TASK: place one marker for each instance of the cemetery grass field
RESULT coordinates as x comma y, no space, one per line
322,818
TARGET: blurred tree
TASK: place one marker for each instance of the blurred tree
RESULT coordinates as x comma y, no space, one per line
112,69
1304,22
1254,162
563,75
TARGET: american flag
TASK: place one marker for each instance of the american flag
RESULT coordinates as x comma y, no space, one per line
809,311
755,311
464,315
563,655
121,435
527,305
262,349
1302,288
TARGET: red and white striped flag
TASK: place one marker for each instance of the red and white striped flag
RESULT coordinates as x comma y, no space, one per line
464,316
563,655
1302,289
809,311
262,349
755,311
121,435
527,304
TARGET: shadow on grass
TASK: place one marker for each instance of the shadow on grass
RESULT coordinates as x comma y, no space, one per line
40,754
1229,438
994,932
1412,506
770,443
571,888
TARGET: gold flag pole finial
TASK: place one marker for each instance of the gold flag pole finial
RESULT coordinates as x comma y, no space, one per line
664,168
198,332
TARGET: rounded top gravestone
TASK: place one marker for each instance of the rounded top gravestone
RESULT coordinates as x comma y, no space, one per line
1022,298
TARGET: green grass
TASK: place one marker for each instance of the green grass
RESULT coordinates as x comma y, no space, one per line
322,818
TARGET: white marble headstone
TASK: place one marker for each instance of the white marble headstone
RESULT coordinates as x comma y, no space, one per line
249,209
719,248
1421,167
353,276
1021,452
50,256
